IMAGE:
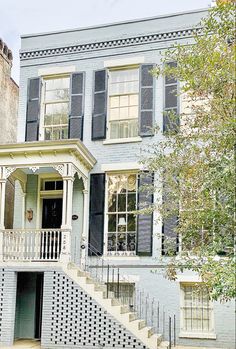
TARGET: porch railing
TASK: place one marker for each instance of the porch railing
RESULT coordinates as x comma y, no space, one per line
33,245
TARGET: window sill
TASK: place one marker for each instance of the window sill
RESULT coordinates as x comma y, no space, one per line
205,335
119,258
123,140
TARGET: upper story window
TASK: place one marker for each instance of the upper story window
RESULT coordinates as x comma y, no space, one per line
123,103
55,108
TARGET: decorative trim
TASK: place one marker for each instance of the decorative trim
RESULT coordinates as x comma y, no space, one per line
95,46
34,168
9,171
60,169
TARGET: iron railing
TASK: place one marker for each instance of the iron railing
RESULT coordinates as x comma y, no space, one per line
140,302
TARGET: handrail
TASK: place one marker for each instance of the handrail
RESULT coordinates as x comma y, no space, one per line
148,308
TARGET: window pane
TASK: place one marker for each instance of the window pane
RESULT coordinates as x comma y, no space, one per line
121,242
121,202
59,185
114,114
131,242
132,183
131,226
131,202
124,101
112,222
111,242
49,185
133,112
114,102
133,100
112,203
124,113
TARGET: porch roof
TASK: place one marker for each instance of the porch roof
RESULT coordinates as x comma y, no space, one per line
42,153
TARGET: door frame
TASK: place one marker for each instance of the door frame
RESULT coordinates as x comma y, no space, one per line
46,194
38,304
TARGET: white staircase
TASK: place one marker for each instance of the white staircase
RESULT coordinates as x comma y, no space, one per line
113,306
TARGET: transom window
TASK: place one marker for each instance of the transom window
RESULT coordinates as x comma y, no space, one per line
56,108
196,310
122,202
123,103
53,185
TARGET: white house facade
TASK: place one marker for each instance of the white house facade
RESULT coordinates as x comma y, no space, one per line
78,268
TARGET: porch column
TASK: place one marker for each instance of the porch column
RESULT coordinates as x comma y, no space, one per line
67,216
84,239
2,209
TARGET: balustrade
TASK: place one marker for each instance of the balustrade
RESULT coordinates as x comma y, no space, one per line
34,245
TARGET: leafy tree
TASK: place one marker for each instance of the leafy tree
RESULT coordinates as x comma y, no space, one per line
196,156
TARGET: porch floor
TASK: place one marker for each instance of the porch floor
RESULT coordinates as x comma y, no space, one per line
25,344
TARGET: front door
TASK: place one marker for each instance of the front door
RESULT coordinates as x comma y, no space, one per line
51,222
52,213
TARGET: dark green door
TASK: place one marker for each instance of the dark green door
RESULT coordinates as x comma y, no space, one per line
29,305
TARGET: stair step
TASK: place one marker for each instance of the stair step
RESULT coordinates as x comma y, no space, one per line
115,301
133,316
98,287
164,345
124,309
89,280
156,340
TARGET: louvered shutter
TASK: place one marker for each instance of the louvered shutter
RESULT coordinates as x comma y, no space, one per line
145,221
171,103
76,117
99,105
33,110
96,216
170,238
146,100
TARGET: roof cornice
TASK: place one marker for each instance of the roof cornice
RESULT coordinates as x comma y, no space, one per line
113,43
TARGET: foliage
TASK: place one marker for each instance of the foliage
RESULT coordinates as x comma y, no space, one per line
197,163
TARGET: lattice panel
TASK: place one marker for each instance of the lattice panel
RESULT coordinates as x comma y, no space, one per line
77,320
2,279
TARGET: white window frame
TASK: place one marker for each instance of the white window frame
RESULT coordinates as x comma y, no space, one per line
129,254
195,334
136,138
42,102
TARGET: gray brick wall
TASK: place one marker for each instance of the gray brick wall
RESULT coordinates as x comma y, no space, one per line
7,306
72,319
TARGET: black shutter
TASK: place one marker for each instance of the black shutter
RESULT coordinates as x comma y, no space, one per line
99,105
33,110
170,240
145,221
76,117
96,214
171,103
146,100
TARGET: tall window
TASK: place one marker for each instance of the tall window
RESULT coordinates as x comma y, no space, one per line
123,103
56,108
122,202
196,310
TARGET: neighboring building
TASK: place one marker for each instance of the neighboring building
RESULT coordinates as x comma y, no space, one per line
87,105
9,97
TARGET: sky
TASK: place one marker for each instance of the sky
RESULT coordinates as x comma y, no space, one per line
18,17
